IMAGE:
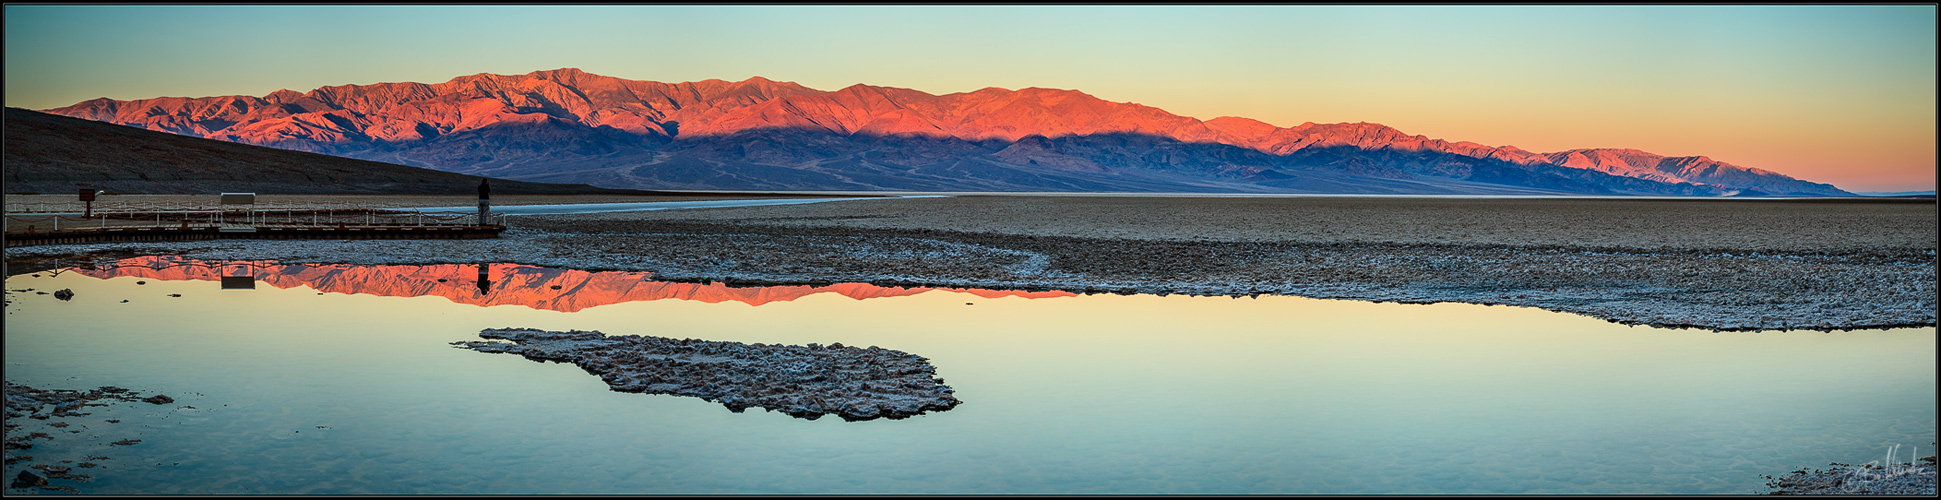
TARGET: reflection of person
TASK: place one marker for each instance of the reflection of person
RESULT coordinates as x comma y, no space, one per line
485,279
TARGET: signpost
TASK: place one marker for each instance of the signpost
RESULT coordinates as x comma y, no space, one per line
240,199
245,280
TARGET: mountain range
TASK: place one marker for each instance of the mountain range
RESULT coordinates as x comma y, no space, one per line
569,126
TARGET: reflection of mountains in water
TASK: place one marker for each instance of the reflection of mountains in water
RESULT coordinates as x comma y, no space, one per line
564,290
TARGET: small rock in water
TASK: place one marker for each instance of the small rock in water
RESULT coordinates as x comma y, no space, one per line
141,282
179,295
66,294
28,480
158,399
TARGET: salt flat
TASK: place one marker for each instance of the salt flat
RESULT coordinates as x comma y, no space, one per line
1702,263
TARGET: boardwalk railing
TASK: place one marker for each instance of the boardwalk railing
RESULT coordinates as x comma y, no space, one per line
127,206
263,219
49,223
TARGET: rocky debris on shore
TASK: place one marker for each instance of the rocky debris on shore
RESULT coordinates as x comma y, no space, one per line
42,404
1915,479
802,381
61,472
28,402
28,480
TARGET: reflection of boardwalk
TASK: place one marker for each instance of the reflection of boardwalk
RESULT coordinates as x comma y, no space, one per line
552,289
56,223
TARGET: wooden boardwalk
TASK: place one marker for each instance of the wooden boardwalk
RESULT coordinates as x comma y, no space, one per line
60,224
113,234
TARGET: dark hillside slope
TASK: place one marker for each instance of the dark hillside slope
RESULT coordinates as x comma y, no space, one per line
54,154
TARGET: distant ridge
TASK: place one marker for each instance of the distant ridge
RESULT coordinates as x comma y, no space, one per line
571,126
1900,194
1695,169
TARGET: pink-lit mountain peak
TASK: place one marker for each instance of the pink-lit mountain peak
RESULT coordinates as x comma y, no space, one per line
1642,164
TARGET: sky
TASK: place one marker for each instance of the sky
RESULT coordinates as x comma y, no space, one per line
1838,94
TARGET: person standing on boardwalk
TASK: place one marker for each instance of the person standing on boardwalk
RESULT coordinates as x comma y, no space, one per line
485,199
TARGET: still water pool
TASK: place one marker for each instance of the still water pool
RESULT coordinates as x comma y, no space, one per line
340,379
